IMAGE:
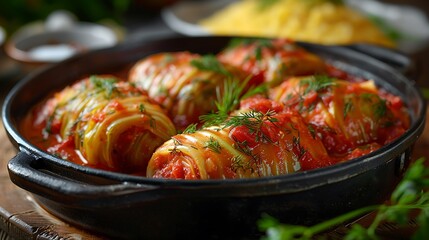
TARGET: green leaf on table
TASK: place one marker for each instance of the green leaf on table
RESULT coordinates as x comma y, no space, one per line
410,196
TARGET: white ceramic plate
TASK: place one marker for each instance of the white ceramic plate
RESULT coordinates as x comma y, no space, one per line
410,22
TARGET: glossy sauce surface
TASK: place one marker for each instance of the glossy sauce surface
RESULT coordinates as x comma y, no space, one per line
307,115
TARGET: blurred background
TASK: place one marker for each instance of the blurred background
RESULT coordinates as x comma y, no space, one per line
119,21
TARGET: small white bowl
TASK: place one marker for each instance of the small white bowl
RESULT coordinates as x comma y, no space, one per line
54,40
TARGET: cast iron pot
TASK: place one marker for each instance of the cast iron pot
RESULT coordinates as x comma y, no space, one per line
124,206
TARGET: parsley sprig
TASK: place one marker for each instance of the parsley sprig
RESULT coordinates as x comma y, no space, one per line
410,195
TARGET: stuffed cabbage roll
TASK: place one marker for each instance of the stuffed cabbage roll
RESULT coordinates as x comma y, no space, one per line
104,123
260,139
271,61
185,84
349,116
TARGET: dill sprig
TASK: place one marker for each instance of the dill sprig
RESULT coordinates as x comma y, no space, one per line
253,121
239,162
317,83
262,42
191,128
210,63
108,85
213,145
348,106
228,100
378,105
410,195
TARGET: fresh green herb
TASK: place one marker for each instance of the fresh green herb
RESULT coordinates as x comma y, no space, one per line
296,140
104,84
228,99
152,123
347,108
213,145
312,130
81,135
210,63
260,45
168,58
377,104
235,42
253,121
141,108
260,89
176,143
244,148
163,90
192,128
410,195
317,83
48,128
380,108
239,162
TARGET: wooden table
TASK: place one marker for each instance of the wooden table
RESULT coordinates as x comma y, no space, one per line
20,216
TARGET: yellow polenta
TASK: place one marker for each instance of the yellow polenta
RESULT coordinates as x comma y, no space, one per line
312,21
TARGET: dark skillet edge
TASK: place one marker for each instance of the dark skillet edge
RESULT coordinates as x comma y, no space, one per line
240,202
22,144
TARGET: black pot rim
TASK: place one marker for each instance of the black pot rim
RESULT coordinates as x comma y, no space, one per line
333,173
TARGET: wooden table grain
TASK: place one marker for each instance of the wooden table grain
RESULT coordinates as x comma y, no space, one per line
20,216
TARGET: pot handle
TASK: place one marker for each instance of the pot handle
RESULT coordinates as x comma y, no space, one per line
394,58
41,177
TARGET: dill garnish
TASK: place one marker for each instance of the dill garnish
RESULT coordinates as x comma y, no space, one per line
348,105
317,83
228,100
104,84
210,63
239,162
176,143
378,105
253,121
141,108
244,148
191,128
213,145
261,42
312,131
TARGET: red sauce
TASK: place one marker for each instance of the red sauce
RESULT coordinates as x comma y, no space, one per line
298,129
